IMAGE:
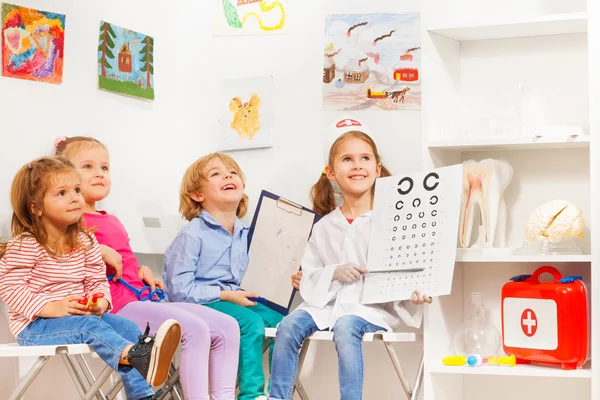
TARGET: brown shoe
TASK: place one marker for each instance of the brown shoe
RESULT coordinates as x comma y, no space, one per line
152,355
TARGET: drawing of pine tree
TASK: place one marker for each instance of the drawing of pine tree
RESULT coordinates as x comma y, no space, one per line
106,45
147,53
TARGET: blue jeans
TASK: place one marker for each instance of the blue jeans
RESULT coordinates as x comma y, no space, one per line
108,336
348,332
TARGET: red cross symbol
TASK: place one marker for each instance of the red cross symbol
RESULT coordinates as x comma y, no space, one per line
529,322
347,122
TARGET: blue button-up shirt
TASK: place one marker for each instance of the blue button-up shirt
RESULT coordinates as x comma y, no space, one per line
204,259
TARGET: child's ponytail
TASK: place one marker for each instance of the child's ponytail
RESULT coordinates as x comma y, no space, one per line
323,196
384,172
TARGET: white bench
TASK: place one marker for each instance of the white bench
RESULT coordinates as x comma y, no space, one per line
388,338
87,384
72,355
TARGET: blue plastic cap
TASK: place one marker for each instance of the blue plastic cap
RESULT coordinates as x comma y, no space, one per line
570,279
520,278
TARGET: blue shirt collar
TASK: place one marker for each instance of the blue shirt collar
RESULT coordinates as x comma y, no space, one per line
238,225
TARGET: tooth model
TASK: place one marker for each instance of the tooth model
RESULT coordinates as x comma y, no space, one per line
554,220
484,183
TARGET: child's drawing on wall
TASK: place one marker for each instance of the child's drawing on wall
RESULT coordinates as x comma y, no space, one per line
32,44
125,61
249,17
372,61
246,115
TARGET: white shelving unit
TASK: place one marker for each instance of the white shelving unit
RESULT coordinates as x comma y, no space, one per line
511,255
531,371
559,24
509,143
473,70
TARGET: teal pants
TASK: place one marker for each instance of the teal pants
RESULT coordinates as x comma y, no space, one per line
252,321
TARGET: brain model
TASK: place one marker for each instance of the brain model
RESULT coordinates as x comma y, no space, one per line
554,220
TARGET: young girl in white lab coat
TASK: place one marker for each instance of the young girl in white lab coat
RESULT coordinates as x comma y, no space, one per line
333,266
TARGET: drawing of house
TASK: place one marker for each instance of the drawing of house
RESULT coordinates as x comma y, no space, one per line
405,70
406,57
125,58
328,69
356,71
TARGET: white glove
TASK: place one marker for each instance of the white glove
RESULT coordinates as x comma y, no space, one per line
348,273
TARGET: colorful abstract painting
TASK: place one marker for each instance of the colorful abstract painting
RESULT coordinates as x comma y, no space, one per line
246,113
249,17
32,44
125,61
372,61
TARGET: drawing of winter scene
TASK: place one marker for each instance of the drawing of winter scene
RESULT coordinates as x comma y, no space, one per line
32,44
372,61
125,61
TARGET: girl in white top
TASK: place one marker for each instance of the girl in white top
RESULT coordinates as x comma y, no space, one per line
333,266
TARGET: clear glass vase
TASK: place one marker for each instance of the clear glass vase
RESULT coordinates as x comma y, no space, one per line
478,335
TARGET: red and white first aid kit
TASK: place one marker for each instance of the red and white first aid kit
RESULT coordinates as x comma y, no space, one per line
546,322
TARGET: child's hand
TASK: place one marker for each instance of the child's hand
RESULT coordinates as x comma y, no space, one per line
348,273
112,259
418,298
146,275
100,308
296,280
238,297
63,308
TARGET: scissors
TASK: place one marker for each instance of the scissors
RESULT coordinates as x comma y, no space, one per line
143,294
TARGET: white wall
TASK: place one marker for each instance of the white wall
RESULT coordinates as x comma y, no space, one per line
151,143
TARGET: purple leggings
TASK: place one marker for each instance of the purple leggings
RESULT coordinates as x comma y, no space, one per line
204,331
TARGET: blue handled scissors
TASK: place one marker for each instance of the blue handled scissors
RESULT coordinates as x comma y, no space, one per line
144,294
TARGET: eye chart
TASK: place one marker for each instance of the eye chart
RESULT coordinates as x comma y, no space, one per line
413,235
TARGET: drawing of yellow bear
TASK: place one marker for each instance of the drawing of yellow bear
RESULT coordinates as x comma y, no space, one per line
245,116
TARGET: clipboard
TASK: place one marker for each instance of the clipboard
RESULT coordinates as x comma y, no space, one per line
277,239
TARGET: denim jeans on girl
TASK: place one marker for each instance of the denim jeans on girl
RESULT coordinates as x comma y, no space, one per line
108,336
348,332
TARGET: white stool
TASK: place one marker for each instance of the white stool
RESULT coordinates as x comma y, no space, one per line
388,338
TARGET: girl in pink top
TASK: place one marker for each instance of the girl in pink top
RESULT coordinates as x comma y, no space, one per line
204,330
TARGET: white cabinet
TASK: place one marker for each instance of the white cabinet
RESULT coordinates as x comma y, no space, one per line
496,74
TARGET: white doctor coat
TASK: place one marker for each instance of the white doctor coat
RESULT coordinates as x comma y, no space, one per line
334,242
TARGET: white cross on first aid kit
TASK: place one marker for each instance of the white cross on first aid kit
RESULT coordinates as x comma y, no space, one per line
530,323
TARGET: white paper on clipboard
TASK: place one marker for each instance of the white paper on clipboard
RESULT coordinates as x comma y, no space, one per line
280,236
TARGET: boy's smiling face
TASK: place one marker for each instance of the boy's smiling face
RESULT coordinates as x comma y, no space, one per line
223,185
